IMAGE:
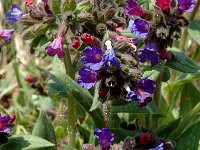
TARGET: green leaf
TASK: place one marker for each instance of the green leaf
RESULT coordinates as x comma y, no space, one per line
194,30
96,103
44,129
26,142
68,5
186,121
60,84
182,62
67,147
134,108
190,138
55,6
121,134
189,98
166,129
154,71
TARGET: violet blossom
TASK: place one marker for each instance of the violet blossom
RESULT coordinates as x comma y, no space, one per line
14,14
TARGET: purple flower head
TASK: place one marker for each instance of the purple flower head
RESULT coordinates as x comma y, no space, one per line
143,97
87,78
4,122
92,58
149,52
104,136
159,147
6,34
186,5
132,8
134,41
14,14
56,47
131,96
139,27
46,1
147,85
109,58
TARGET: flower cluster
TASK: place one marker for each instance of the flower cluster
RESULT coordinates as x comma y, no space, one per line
6,122
115,77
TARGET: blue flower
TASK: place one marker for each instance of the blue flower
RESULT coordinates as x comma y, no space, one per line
186,5
6,34
149,52
92,58
131,96
147,85
87,78
4,123
159,147
104,136
143,97
14,15
139,27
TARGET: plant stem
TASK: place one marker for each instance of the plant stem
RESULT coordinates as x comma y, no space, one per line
185,33
106,114
71,102
156,98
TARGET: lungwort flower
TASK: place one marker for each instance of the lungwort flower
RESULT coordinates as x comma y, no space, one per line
163,4
186,5
110,58
14,14
104,136
159,147
139,27
5,121
87,78
6,34
92,58
132,8
56,47
149,52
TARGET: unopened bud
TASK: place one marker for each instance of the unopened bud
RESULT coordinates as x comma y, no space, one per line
109,12
101,29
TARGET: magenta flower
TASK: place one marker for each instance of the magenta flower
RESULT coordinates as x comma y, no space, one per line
163,4
6,34
104,136
14,14
46,1
4,123
132,8
139,27
87,78
92,58
149,52
186,5
56,47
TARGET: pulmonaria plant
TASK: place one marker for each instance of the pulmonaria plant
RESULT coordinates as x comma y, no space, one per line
5,34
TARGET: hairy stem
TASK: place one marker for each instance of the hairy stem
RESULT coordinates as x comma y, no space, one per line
156,98
71,102
106,114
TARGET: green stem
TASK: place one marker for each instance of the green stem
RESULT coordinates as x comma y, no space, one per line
185,33
156,98
71,102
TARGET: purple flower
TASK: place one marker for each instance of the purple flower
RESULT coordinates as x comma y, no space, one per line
159,147
4,122
132,8
14,15
147,85
92,58
186,5
143,97
6,34
134,41
149,52
104,136
56,47
139,27
131,96
46,1
87,78
110,59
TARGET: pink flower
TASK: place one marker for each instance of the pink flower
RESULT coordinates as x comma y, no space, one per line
163,4
6,34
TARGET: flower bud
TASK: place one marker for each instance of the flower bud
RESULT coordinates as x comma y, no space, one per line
101,29
109,12
111,25
162,54
146,138
30,78
84,17
75,42
12,118
87,38
162,32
